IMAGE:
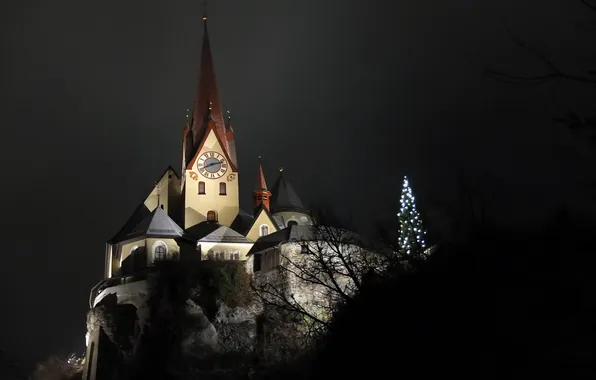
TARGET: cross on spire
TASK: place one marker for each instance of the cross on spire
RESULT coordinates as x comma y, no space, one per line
204,5
157,189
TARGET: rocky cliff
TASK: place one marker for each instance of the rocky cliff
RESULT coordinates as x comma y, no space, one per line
199,318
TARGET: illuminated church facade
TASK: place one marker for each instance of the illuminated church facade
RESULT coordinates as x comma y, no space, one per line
198,213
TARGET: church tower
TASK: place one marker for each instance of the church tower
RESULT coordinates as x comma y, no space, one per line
210,171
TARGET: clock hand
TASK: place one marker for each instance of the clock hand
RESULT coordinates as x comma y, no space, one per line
214,163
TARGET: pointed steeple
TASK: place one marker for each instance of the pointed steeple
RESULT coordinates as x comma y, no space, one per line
261,196
261,184
207,107
284,197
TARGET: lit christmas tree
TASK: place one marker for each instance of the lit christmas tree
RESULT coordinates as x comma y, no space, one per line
411,231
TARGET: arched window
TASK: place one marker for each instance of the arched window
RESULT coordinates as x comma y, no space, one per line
264,230
211,216
201,187
292,223
222,188
160,251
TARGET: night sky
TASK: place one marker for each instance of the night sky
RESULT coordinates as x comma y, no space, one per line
348,96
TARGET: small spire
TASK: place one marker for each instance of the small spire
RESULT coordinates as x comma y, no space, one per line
261,184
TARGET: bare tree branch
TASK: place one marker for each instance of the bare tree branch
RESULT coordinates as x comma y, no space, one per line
555,72
316,274
589,5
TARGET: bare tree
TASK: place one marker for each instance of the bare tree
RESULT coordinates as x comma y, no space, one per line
318,269
553,71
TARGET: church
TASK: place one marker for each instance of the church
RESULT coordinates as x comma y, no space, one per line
196,215
198,212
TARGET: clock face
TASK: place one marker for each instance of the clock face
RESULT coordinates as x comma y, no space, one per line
212,165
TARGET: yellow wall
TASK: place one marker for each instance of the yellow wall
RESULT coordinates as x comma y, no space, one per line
125,249
125,252
254,232
242,247
197,205
173,248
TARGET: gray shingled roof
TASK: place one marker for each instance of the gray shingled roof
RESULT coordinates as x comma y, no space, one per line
202,229
297,233
140,213
225,234
137,217
242,222
158,224
292,233
284,198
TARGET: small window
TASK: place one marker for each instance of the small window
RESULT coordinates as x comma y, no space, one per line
256,263
222,188
211,216
201,187
210,255
220,256
304,248
264,230
292,223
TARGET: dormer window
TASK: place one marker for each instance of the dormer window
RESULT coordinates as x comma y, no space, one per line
201,187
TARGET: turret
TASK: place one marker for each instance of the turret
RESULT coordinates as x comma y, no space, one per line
261,195
286,204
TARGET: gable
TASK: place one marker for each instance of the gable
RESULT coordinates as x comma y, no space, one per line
263,217
169,185
211,143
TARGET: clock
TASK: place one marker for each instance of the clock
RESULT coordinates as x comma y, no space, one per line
212,165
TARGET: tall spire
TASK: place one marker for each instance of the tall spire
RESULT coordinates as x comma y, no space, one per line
207,104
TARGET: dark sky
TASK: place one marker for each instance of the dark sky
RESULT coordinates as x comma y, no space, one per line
347,95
